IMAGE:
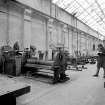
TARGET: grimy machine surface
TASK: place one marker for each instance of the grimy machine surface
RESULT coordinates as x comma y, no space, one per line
10,89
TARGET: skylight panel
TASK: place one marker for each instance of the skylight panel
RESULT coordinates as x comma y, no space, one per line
54,1
82,3
69,4
91,12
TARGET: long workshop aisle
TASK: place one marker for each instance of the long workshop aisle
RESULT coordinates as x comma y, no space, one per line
81,89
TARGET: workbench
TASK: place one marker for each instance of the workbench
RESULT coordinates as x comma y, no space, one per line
10,89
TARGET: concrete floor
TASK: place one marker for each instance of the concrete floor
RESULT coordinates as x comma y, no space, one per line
81,89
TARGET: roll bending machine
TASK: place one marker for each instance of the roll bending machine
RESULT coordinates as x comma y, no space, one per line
35,66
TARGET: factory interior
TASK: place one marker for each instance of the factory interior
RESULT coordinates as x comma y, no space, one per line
52,52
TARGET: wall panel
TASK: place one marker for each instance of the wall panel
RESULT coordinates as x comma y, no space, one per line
54,34
70,41
15,30
3,28
15,24
74,42
41,5
66,43
27,34
38,32
83,45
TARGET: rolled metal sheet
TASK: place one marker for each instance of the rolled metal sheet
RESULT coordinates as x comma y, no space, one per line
40,62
